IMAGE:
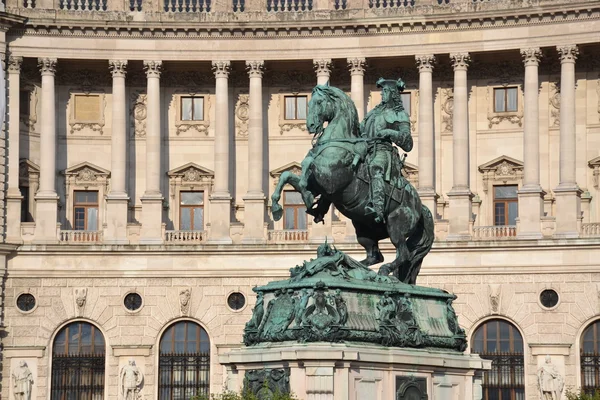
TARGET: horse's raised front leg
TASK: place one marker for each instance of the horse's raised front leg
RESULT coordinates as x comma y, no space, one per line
294,180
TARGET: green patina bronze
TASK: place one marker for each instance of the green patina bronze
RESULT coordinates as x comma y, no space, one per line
333,297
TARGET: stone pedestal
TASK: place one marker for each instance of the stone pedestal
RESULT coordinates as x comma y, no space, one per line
460,214
151,220
568,216
13,224
220,211
47,216
116,220
531,209
356,372
254,222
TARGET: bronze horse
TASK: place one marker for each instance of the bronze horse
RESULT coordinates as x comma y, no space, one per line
335,172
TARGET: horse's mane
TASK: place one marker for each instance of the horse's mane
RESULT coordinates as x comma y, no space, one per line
344,102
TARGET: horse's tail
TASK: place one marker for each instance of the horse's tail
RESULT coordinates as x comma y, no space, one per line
419,244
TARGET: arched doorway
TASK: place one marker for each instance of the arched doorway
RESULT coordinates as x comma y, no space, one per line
501,342
184,362
590,358
78,363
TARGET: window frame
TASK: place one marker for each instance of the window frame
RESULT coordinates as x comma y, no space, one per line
85,206
506,202
595,355
192,207
505,89
295,97
192,97
295,207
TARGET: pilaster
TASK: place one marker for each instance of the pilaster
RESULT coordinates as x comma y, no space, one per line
13,194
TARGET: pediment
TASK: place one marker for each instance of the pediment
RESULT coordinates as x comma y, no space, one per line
27,168
86,171
503,165
594,162
294,167
410,168
191,172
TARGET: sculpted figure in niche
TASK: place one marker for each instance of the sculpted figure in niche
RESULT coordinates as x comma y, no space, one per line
184,300
130,380
22,382
550,381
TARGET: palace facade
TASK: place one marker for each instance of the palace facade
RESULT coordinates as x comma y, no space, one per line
143,138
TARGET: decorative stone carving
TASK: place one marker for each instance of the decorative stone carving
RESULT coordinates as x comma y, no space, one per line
255,68
555,103
95,125
411,173
447,109
118,68
594,164
503,169
131,381
153,68
289,126
460,61
80,299
185,296
242,115
29,120
567,53
323,67
14,64
293,167
550,382
221,69
357,65
411,388
265,383
494,293
83,80
494,118
531,56
47,66
87,174
425,62
22,381
139,113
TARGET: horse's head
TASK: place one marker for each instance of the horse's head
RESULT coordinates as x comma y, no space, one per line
328,103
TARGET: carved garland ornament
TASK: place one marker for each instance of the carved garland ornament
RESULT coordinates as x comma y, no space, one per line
139,113
447,109
554,103
242,114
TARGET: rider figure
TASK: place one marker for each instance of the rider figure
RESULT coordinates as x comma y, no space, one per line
387,123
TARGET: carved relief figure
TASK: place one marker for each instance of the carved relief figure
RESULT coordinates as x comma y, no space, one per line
22,382
80,297
130,381
184,301
550,381
495,298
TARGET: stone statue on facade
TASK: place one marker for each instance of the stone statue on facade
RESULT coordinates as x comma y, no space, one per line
184,301
22,382
130,381
550,381
357,168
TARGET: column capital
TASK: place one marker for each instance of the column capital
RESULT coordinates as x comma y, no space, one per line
221,69
255,68
14,64
357,65
323,66
118,68
568,53
531,56
153,68
47,66
425,62
460,61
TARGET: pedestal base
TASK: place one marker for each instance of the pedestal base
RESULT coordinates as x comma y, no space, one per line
13,218
568,212
531,209
220,219
116,220
46,211
254,220
357,372
460,214
151,232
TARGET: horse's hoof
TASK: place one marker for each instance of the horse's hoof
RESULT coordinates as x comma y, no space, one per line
384,270
277,212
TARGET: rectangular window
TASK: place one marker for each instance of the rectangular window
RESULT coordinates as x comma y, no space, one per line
406,102
192,108
191,211
85,210
296,107
87,108
24,103
506,209
505,99
294,211
25,212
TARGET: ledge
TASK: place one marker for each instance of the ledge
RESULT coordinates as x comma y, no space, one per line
24,351
124,350
558,349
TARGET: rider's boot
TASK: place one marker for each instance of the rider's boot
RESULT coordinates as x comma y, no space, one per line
376,205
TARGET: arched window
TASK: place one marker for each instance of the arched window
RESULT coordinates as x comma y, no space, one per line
501,342
78,358
590,358
184,362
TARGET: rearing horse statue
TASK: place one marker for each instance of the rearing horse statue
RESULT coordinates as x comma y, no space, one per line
335,171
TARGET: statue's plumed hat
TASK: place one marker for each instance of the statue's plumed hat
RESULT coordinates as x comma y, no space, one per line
397,85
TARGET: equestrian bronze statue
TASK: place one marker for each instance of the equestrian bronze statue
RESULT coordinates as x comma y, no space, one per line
358,169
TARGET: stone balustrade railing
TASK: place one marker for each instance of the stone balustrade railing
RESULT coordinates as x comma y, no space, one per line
79,237
165,10
287,236
590,230
498,232
188,237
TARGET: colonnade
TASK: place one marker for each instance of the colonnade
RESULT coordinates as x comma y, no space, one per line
530,195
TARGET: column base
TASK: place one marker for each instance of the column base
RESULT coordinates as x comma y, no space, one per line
429,199
568,211
220,219
151,232
13,218
460,215
46,221
116,219
254,219
531,209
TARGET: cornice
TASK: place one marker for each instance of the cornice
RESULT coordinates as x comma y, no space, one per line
323,23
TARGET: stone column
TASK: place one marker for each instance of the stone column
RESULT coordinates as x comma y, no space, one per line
323,231
152,199
117,200
531,195
357,84
220,199
460,195
568,194
254,201
426,133
13,194
323,70
46,199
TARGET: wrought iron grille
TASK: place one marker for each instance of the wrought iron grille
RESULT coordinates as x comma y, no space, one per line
506,379
182,376
590,372
78,377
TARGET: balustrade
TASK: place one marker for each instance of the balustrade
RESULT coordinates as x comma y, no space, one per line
83,5
494,232
82,237
590,230
185,236
289,5
187,6
288,236
135,5
391,3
